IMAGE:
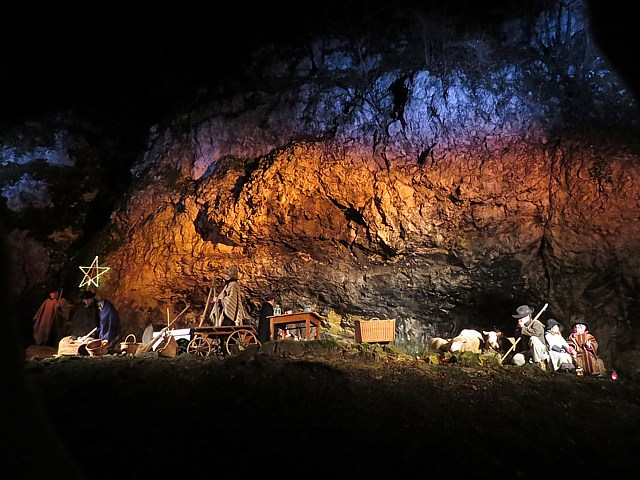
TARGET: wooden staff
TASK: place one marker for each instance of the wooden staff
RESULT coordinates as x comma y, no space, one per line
217,314
509,351
206,305
59,299
516,342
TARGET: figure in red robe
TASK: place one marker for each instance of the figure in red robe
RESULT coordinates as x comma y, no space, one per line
584,349
52,313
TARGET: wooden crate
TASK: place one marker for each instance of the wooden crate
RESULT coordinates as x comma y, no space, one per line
374,331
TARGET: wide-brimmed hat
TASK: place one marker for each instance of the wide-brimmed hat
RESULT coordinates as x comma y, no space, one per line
581,322
87,294
552,323
523,311
232,272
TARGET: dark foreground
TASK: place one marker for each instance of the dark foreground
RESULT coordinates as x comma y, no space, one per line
317,412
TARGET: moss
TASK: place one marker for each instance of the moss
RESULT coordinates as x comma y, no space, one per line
393,349
468,359
432,359
323,346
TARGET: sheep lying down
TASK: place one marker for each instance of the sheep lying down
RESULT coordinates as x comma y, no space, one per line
469,340
466,341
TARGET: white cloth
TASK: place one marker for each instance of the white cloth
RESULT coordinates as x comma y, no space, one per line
558,358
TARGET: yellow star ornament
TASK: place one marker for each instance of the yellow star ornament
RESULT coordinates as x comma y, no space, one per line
92,273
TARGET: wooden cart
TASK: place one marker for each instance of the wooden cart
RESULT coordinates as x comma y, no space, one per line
217,340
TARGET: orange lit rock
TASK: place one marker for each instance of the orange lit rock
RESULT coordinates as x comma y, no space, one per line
466,239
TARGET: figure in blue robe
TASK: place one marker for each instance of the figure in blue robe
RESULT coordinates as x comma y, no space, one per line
109,321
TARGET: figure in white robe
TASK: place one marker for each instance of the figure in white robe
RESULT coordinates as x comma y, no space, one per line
559,350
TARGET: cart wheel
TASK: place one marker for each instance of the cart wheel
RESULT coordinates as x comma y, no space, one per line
199,346
240,340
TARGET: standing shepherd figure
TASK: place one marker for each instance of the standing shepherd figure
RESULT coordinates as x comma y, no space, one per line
230,298
50,317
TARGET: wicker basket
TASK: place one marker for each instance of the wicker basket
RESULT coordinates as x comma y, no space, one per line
97,348
375,330
168,347
129,347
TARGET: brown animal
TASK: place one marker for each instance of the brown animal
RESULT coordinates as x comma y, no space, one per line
496,341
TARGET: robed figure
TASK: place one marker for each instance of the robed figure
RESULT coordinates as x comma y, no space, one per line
230,301
585,350
109,321
264,322
49,318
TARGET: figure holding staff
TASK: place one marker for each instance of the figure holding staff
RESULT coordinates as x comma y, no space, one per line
530,341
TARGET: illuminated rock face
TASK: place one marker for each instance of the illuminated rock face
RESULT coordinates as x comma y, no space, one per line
442,245
441,200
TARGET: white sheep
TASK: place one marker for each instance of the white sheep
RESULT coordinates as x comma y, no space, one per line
437,344
467,341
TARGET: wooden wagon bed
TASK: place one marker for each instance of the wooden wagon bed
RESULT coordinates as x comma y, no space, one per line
217,340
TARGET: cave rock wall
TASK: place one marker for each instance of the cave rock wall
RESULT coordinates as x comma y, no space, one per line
367,180
445,212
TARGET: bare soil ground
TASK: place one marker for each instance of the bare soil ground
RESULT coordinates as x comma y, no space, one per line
310,410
